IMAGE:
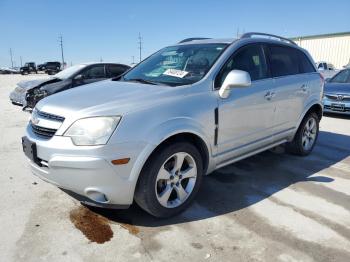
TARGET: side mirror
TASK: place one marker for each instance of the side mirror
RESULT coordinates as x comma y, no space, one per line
327,79
79,77
234,79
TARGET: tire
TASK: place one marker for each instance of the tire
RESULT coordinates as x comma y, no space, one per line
299,145
159,188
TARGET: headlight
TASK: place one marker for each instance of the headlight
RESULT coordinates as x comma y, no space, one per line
92,131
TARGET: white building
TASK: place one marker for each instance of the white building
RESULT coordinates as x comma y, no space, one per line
331,48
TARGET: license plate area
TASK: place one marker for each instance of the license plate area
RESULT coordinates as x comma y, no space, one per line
338,107
29,149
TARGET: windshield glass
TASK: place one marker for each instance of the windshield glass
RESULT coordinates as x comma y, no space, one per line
341,77
70,71
177,65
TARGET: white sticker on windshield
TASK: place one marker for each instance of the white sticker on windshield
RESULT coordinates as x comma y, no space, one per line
175,73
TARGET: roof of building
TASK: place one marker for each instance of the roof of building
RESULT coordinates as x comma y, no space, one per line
321,36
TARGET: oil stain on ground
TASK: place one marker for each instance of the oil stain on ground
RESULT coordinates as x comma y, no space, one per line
95,227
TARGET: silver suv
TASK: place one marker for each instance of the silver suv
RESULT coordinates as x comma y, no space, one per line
186,110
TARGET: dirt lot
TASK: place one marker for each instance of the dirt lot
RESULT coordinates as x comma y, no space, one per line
270,207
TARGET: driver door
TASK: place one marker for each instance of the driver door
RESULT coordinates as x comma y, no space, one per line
246,117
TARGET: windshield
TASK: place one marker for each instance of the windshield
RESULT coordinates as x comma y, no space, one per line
70,71
341,77
177,65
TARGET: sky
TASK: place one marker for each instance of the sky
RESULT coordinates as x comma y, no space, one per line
108,30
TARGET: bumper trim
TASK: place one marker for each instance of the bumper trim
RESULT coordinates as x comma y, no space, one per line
90,202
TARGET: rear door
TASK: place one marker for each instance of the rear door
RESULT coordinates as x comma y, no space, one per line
93,73
291,70
115,70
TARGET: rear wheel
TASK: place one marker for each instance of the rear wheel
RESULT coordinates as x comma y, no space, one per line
170,180
306,136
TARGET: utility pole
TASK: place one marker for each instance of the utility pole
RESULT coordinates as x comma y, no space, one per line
101,59
140,45
133,60
21,60
61,44
11,57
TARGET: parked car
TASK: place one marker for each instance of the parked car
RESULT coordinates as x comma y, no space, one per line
28,68
151,134
6,71
28,93
336,97
41,67
52,68
326,69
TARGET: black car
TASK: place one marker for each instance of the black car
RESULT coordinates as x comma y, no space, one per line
52,68
73,76
336,97
28,68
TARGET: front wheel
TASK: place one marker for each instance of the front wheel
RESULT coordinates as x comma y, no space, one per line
306,136
170,180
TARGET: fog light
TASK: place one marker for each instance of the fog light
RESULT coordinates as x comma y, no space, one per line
96,196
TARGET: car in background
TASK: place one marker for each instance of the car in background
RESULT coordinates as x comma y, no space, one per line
28,68
52,68
41,67
6,71
326,69
336,98
28,93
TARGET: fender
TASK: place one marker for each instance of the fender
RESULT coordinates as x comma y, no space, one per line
164,131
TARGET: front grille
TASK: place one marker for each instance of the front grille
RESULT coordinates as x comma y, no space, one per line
336,97
346,109
50,116
43,131
44,124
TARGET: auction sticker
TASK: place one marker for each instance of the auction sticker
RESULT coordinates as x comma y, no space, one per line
175,73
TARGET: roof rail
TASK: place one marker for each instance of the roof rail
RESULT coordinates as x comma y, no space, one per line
192,38
283,39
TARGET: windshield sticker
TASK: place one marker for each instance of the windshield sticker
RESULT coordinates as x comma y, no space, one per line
175,73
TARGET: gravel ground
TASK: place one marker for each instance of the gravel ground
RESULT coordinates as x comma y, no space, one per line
270,207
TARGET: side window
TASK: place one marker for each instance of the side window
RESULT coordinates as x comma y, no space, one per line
305,66
115,70
250,58
283,61
94,72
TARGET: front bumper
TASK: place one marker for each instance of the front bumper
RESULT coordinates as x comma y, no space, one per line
336,107
87,171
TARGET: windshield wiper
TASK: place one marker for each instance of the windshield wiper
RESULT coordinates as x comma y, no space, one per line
141,80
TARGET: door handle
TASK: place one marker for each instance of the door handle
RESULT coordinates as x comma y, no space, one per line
269,95
304,87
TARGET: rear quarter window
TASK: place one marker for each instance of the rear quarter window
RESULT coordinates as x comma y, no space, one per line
305,65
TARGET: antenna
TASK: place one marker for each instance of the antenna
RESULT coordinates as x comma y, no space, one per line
140,45
11,57
61,44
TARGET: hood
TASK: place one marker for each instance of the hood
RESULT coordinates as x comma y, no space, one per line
27,85
337,88
106,97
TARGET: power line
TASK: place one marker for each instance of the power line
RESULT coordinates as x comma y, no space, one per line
140,45
61,44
